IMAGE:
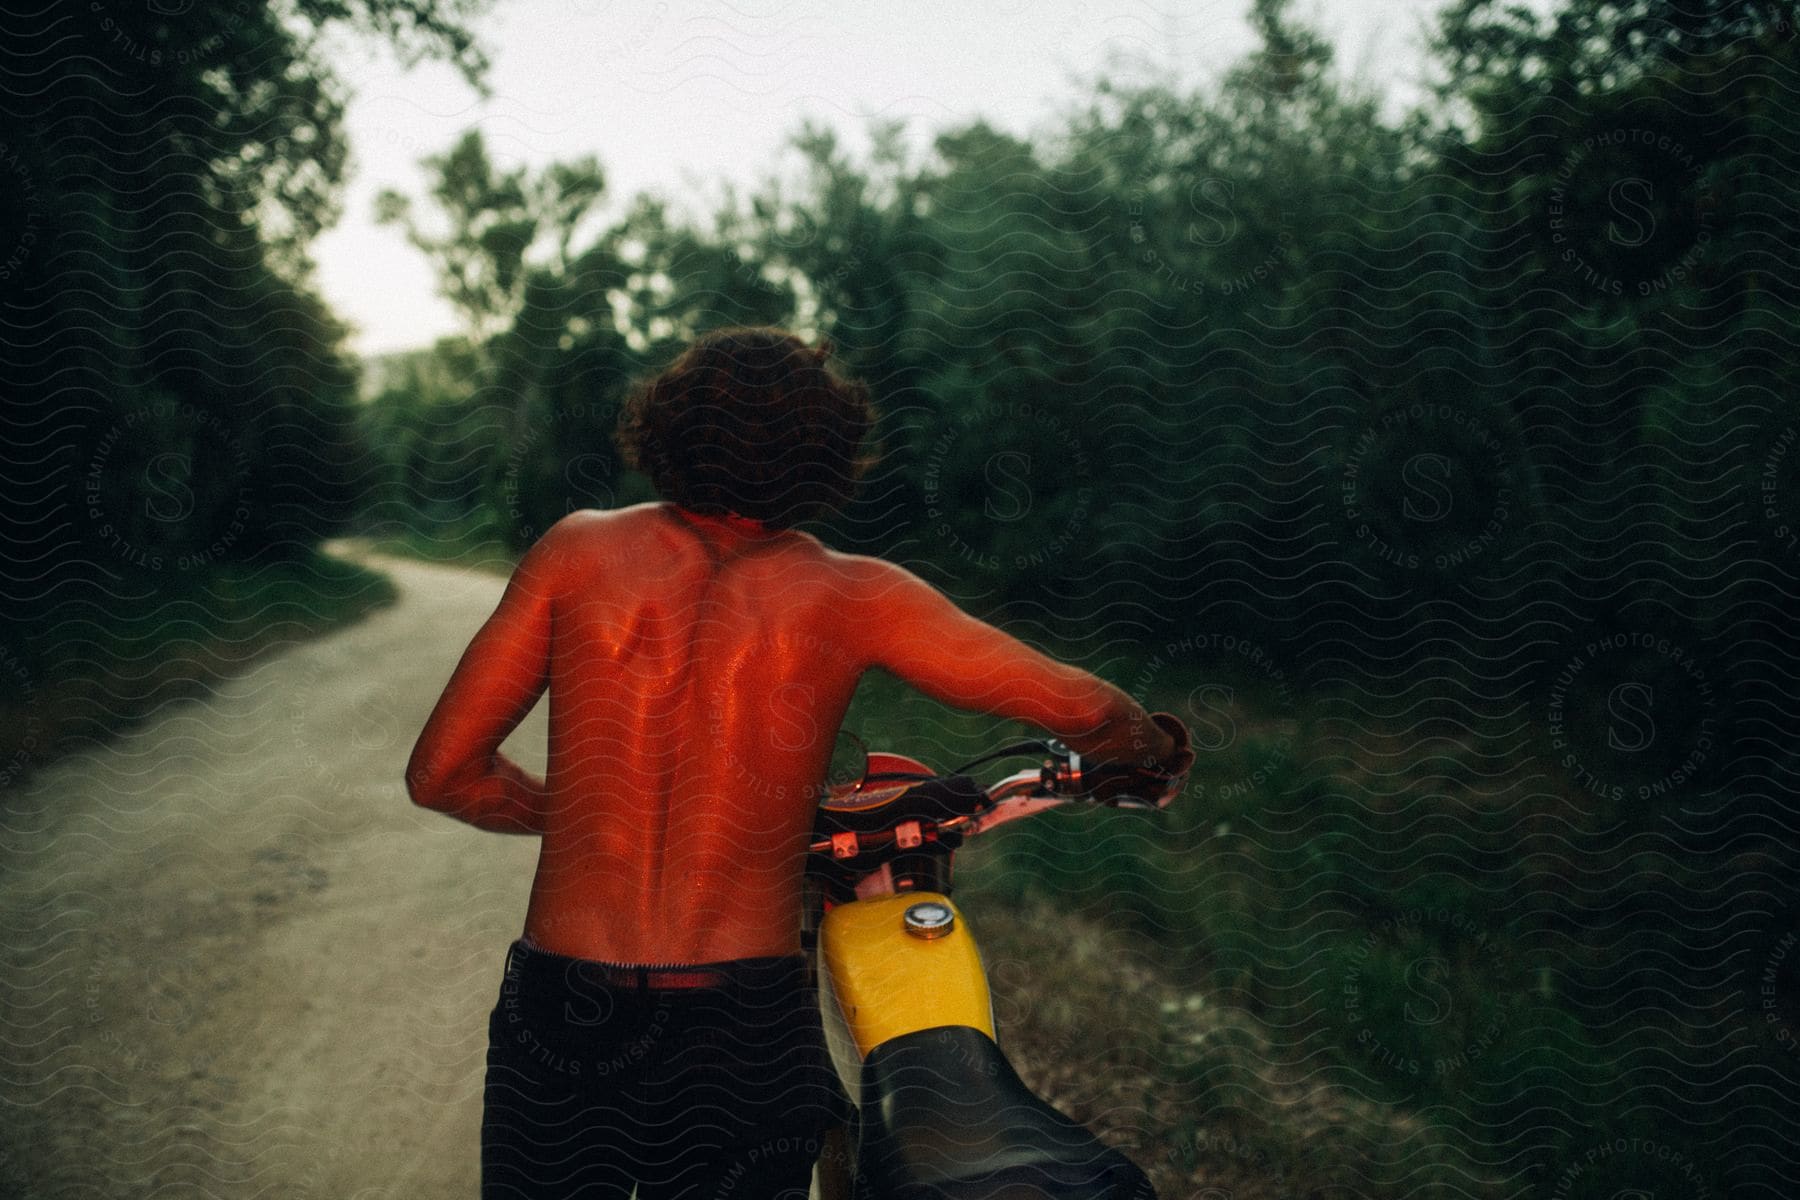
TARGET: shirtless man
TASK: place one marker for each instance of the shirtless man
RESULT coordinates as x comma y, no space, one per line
661,948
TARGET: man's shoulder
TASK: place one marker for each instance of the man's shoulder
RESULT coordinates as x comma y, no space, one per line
865,576
618,518
584,537
594,534
629,530
590,525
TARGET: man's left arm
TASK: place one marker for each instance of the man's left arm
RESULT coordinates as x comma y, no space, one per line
456,767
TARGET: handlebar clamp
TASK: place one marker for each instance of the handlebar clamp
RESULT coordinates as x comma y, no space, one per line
1062,774
1062,770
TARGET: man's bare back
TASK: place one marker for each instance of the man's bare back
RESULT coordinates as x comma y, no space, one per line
680,805
698,669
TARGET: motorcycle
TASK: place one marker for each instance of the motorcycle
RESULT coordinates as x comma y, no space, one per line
941,1113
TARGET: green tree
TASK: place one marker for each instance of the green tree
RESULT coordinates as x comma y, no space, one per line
496,220
170,187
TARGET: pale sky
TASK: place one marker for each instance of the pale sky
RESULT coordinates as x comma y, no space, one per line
673,96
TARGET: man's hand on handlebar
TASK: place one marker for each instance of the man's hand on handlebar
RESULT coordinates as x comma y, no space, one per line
1158,780
1180,755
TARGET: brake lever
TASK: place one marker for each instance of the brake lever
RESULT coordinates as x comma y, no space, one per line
1164,786
1127,800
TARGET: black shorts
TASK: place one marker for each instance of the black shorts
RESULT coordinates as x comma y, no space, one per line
720,1092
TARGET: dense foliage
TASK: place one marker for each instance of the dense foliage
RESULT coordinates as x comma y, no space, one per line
1252,356
177,399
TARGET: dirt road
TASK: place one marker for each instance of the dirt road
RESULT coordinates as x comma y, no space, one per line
237,960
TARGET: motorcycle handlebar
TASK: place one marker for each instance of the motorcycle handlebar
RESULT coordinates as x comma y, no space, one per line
1063,776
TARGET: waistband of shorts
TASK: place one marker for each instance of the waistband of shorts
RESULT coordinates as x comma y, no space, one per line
525,956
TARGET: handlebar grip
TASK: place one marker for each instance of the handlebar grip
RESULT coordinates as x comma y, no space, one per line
1171,724
1156,785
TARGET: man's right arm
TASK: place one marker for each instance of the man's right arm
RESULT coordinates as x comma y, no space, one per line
910,629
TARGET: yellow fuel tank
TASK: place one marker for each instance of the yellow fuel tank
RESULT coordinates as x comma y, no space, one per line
886,981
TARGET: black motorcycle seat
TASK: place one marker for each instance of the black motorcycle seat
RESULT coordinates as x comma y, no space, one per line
945,1117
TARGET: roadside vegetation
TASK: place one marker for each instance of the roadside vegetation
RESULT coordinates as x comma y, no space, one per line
90,676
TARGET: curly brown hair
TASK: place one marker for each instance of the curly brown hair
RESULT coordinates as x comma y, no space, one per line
750,420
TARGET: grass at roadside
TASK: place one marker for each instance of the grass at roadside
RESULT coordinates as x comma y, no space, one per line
1118,945
1095,1021
1431,938
95,669
467,543
472,540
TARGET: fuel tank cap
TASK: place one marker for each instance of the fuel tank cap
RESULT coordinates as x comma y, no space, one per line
929,919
